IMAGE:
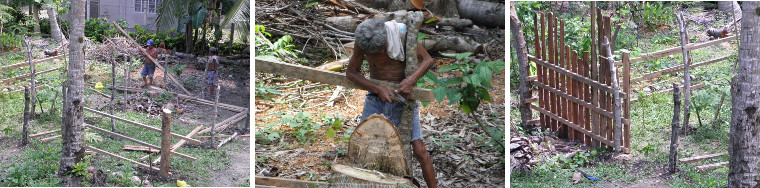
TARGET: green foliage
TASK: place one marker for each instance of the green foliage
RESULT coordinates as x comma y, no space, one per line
91,137
165,96
9,40
171,38
334,123
469,89
493,143
80,168
312,3
98,29
281,48
446,142
268,133
263,90
656,14
304,128
648,149
176,70
38,172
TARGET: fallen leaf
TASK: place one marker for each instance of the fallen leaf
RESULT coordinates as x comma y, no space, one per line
576,177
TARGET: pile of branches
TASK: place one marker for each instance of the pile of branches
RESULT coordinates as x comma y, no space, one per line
113,48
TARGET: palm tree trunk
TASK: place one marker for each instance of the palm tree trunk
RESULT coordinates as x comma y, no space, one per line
73,114
744,164
55,29
35,11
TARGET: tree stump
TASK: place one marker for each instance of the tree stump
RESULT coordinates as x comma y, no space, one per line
375,144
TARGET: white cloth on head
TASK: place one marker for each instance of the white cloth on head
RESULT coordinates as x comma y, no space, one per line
396,33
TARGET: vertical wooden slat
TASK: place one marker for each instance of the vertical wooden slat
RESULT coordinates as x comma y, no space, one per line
595,117
573,112
537,35
586,94
562,57
627,106
552,48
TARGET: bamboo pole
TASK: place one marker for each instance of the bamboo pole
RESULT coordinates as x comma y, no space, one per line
138,141
165,141
227,140
17,65
122,158
9,80
113,93
44,133
615,95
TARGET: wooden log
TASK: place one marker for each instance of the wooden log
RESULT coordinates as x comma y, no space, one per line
703,157
576,127
122,158
615,97
283,182
675,69
142,125
50,138
138,141
348,176
17,65
180,143
675,50
482,12
376,144
224,124
674,129
101,93
711,166
166,141
331,78
44,133
32,72
139,148
227,140
131,41
413,22
9,80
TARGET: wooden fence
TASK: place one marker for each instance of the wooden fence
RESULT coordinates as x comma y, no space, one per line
575,90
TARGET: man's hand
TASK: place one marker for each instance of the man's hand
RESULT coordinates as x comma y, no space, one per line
405,87
385,95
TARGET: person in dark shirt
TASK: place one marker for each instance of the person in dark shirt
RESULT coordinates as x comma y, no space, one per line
212,73
148,65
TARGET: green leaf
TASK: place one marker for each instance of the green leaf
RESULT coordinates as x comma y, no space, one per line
198,18
421,36
483,94
463,55
454,96
454,81
310,4
330,133
439,93
431,20
465,108
448,67
475,79
430,78
448,54
485,75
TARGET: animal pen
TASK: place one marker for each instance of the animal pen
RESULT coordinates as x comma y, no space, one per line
166,148
576,94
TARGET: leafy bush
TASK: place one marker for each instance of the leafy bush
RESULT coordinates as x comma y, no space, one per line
98,29
282,47
9,40
263,90
335,122
303,127
656,14
267,133
38,172
470,88
171,38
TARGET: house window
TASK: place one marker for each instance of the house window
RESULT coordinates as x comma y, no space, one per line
148,6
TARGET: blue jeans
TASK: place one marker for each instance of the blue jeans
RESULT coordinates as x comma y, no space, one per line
211,77
392,111
148,69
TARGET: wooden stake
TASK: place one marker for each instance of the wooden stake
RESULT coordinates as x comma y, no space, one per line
166,141
216,112
627,104
32,91
686,64
180,143
113,93
615,95
674,129
25,131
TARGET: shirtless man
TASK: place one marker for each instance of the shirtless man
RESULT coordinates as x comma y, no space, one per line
372,41
149,66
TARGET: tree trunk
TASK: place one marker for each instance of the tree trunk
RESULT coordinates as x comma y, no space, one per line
188,37
744,134
686,76
34,10
518,42
55,30
232,37
729,8
73,115
482,12
674,129
376,145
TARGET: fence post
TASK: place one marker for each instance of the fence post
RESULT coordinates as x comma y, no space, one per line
166,144
615,95
672,159
25,132
216,112
627,107
32,91
113,92
518,41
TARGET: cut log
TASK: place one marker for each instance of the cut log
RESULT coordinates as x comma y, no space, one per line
482,12
703,157
347,176
375,144
44,133
227,140
711,166
139,148
283,182
456,43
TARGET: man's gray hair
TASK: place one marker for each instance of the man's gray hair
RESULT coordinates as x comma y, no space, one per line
371,35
